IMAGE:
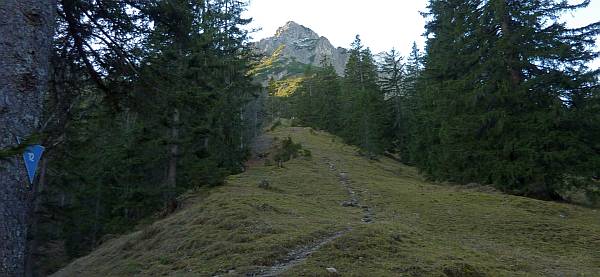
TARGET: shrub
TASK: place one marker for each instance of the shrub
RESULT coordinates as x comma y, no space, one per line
305,153
296,122
276,124
287,150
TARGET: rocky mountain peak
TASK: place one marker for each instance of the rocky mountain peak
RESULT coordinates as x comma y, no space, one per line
301,45
293,30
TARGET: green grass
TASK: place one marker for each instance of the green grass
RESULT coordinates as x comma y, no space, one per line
420,228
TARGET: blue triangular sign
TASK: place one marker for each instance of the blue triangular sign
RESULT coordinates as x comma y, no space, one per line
32,156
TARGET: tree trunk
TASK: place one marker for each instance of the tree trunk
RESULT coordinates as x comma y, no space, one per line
173,151
34,219
242,129
95,231
26,31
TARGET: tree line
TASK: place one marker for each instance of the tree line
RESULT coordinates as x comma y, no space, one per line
502,95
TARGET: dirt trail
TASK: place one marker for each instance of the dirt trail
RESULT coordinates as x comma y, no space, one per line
355,201
299,255
296,257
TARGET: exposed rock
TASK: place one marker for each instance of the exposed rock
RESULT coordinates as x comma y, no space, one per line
332,270
264,207
304,46
351,203
264,184
367,219
344,176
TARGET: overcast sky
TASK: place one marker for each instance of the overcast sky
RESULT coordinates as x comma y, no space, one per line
382,24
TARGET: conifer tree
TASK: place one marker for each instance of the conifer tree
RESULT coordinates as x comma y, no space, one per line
192,62
536,81
496,99
316,102
203,85
304,100
451,53
413,68
392,83
364,113
328,84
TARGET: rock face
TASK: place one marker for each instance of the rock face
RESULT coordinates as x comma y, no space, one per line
303,45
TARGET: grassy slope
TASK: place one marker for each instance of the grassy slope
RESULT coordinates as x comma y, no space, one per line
420,229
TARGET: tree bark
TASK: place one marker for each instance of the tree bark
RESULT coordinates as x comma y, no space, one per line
26,31
34,219
174,150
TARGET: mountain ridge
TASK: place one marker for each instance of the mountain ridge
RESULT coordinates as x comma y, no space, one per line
303,45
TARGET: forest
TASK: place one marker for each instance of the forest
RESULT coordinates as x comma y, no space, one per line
502,95
138,102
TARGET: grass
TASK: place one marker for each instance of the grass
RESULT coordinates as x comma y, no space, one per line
420,228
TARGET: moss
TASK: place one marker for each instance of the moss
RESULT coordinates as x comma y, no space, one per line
420,228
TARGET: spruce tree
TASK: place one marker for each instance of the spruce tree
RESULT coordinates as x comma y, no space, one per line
537,80
498,96
193,61
328,84
203,86
413,68
442,116
316,102
392,83
364,110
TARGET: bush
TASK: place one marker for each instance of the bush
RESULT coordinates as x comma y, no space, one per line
287,150
296,122
276,124
580,190
305,153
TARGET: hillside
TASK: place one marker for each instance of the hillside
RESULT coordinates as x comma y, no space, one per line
337,211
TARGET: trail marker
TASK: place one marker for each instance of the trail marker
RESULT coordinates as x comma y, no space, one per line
32,156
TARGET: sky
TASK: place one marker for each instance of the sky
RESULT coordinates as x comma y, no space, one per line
382,24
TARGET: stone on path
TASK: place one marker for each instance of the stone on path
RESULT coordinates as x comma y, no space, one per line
332,270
